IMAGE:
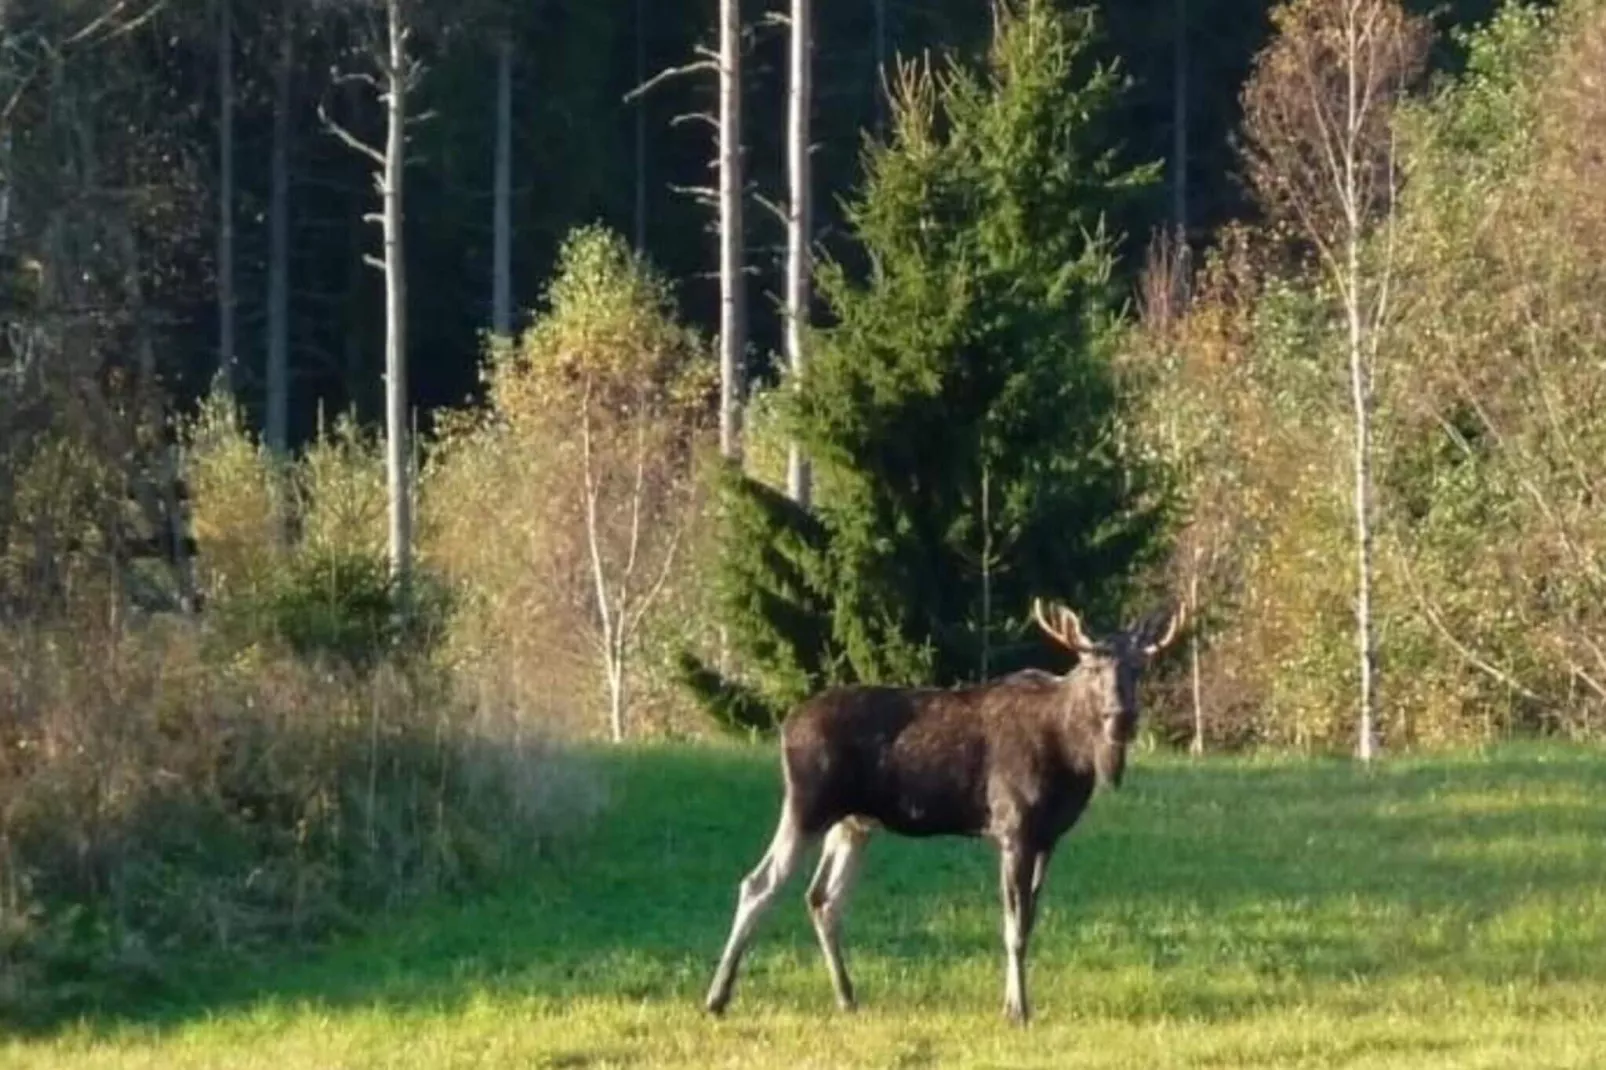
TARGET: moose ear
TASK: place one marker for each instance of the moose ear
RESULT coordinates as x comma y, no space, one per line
1160,632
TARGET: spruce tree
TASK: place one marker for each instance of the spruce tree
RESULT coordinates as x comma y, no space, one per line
960,406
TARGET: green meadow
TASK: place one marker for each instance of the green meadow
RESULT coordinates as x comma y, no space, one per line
1444,911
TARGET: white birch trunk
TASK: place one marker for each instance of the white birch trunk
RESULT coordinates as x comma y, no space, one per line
1195,678
641,129
1179,120
733,326
880,67
799,229
1360,399
226,355
502,208
396,457
277,422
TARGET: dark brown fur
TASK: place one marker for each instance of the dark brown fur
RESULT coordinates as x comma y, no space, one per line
1014,760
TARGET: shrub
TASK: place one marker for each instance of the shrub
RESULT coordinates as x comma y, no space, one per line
170,801
349,607
563,511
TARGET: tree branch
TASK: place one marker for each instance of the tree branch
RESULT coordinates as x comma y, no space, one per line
1467,654
781,214
694,116
664,570
666,75
352,141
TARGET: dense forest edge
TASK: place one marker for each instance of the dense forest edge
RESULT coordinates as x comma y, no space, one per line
1044,360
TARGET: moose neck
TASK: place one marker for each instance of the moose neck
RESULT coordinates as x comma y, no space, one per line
1085,734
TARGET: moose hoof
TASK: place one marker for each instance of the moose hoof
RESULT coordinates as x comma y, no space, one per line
715,1003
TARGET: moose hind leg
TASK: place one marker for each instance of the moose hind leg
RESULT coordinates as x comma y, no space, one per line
827,898
755,893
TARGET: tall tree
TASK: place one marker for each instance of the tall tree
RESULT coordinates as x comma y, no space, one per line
799,230
880,54
226,355
1179,119
624,390
1319,111
640,130
398,72
502,193
961,412
276,423
732,263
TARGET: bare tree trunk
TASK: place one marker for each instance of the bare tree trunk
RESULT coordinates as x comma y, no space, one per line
502,209
1197,746
986,571
225,236
6,185
733,326
641,129
799,227
1179,120
277,422
1360,397
398,484
880,67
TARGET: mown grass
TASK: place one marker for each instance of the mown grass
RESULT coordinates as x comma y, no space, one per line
1433,912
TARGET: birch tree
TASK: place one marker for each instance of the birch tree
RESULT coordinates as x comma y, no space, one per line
627,390
394,73
1179,119
726,63
1318,112
502,193
799,230
226,355
640,41
277,377
732,283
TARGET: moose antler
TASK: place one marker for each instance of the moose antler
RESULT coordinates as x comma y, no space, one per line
1176,618
1068,633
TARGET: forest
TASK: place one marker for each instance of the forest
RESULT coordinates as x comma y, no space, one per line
398,395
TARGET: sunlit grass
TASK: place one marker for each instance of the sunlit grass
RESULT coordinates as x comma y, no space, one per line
1434,912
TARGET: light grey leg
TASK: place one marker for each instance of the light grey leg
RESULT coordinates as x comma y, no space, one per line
757,892
1017,868
1039,874
827,898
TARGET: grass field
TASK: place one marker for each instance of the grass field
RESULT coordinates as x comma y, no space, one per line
1442,912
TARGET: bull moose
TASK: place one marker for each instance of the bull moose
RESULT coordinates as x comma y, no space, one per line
1014,760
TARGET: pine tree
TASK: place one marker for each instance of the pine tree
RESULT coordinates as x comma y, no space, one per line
960,409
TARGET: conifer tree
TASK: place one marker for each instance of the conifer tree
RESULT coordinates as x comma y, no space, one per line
960,408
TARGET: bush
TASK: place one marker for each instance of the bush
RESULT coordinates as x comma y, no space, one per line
576,482
1488,588
288,762
157,800
349,607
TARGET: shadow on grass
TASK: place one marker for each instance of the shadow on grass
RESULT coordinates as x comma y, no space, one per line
1279,875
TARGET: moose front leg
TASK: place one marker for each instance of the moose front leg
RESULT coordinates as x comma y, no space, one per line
1018,880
